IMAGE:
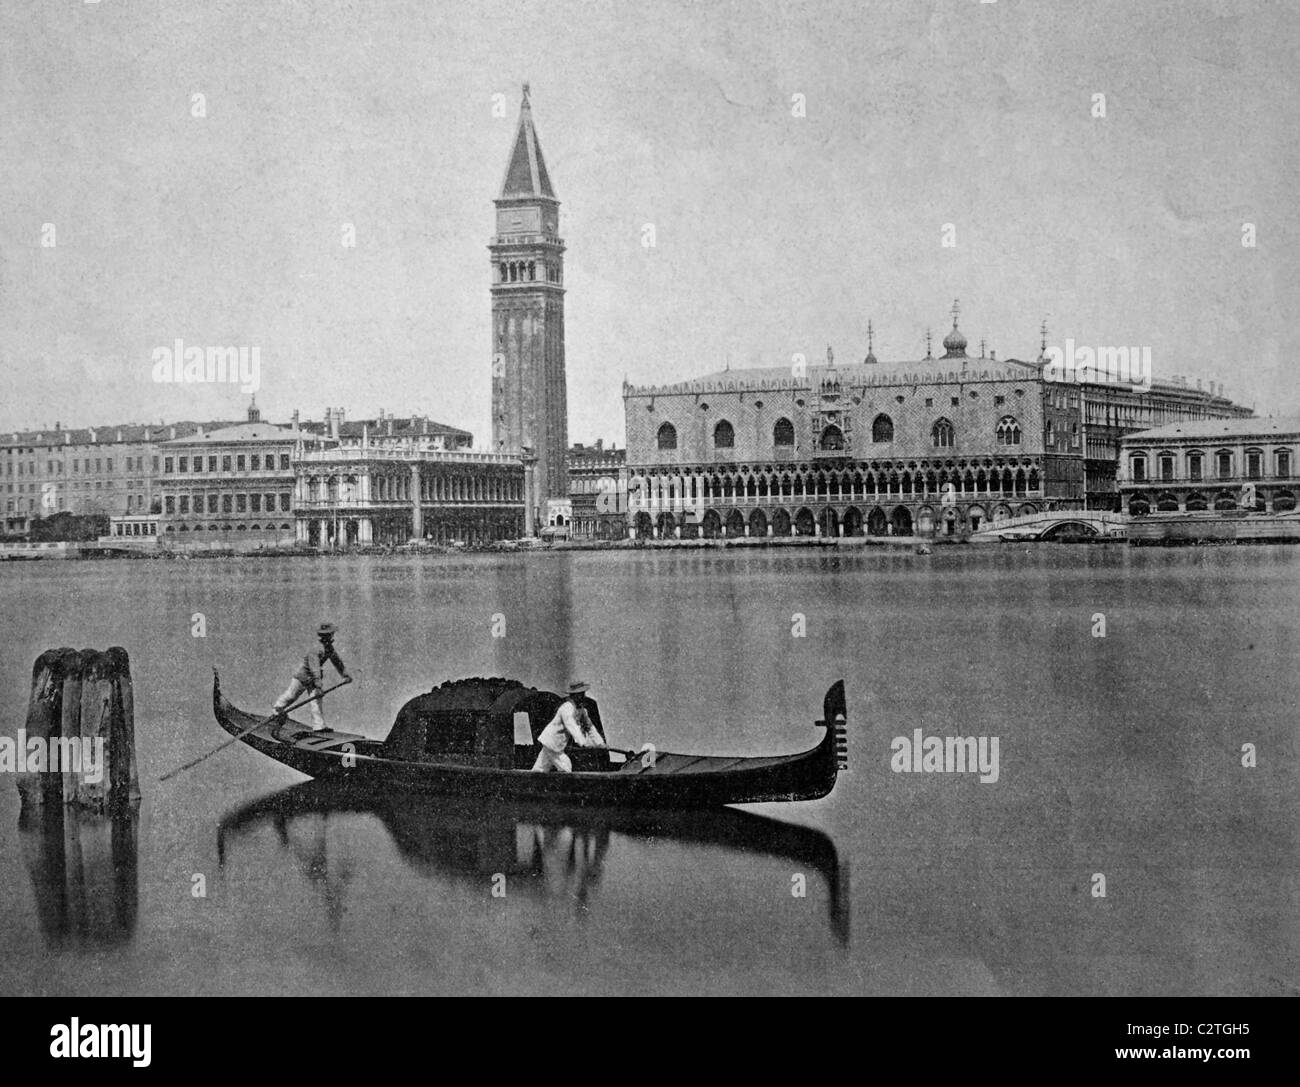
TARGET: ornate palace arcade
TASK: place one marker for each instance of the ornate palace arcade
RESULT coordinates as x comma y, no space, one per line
359,497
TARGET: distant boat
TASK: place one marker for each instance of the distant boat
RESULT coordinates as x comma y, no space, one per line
460,740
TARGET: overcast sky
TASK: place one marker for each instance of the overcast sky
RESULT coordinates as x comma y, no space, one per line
774,233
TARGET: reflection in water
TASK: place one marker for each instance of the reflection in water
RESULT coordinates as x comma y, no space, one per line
548,854
536,603
84,872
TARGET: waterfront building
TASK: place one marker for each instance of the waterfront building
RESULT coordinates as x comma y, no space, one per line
358,495
598,492
1116,409
233,486
1213,469
134,529
529,397
99,471
387,431
936,446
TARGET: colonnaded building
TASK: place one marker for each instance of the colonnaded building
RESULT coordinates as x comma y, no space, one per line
937,446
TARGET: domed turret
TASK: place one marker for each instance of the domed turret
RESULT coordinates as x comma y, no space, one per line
954,344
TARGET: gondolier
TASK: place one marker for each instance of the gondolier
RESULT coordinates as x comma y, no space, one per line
571,721
307,679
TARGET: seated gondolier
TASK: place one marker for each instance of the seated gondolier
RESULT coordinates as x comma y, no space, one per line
308,679
571,721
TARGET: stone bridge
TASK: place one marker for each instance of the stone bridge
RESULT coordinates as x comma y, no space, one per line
1056,524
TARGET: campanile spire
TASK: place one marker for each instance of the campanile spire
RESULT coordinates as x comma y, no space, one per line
529,395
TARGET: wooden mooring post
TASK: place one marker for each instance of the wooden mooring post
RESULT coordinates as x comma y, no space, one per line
78,743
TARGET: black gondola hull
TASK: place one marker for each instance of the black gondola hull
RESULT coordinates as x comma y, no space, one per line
672,781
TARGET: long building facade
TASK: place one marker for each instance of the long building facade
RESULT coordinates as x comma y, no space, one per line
358,496
1229,465
939,446
1113,410
88,471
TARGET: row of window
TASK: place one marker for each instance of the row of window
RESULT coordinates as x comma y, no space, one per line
1140,505
79,465
943,434
1166,465
269,527
228,503
253,462
525,271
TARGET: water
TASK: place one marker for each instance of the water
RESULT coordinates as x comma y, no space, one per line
1118,755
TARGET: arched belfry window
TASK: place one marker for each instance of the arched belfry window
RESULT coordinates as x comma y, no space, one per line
942,434
882,429
724,436
1008,431
667,436
783,433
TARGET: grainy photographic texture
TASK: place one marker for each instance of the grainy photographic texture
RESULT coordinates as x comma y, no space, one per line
533,498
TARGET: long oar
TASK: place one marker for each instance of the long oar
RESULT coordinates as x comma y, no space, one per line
253,728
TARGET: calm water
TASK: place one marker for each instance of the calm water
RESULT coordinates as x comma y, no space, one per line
1118,756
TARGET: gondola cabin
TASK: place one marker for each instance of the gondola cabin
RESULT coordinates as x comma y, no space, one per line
490,723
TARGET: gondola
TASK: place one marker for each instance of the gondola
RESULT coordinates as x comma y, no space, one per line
477,738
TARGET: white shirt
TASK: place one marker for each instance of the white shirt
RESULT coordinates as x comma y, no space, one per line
564,724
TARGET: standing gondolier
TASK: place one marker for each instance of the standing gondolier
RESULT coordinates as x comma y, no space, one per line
571,721
307,679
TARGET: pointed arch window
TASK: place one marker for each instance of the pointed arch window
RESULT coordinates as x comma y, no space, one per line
667,436
942,434
882,428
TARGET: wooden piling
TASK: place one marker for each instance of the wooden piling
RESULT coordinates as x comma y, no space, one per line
44,721
85,697
106,729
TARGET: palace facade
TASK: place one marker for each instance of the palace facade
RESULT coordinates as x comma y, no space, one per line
939,446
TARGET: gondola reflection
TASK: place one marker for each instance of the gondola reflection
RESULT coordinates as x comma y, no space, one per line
545,853
84,869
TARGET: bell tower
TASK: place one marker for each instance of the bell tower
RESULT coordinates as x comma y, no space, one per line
529,398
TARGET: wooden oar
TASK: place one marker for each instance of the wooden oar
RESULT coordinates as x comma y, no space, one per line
253,728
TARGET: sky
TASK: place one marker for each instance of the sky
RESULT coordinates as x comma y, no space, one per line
797,162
